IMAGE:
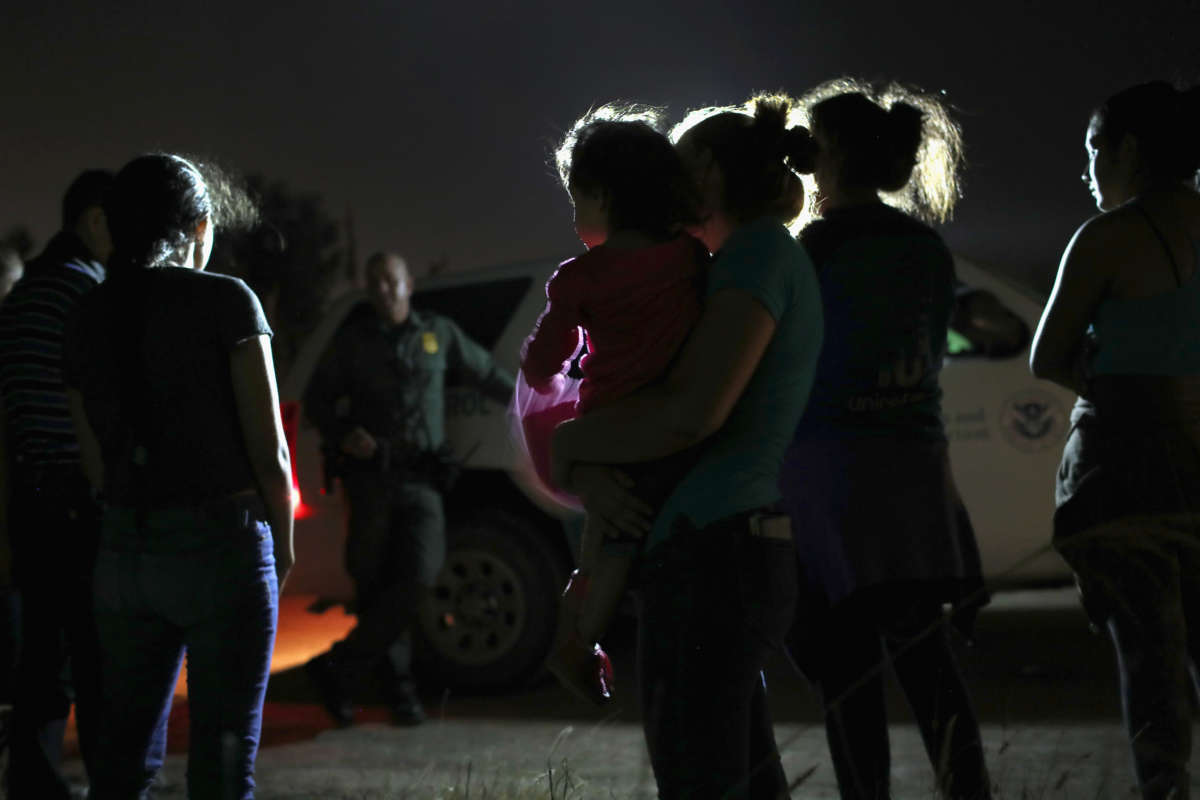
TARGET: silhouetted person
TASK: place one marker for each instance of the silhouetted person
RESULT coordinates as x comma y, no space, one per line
172,393
11,270
49,515
717,576
378,398
633,296
1121,330
883,537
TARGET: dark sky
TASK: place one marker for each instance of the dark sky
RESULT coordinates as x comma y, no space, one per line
433,121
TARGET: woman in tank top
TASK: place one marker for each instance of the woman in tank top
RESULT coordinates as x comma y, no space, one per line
1122,329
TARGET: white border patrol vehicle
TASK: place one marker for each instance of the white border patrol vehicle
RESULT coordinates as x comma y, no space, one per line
489,619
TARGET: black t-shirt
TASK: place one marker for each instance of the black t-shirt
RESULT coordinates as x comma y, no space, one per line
149,353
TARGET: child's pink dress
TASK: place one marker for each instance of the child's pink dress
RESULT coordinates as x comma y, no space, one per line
635,308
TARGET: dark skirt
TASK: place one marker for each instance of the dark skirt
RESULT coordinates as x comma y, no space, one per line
1133,450
1128,490
875,511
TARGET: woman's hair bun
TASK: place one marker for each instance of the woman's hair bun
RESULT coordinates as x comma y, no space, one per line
1163,120
796,144
801,150
757,152
895,139
770,116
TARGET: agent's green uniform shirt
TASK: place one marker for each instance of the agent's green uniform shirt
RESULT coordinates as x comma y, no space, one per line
391,379
738,467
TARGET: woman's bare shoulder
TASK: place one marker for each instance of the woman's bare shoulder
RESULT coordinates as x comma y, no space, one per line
1112,226
1110,239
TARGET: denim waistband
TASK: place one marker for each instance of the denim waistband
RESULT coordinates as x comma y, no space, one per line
179,529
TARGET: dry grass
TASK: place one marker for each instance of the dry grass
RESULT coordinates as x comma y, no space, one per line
493,760
1051,763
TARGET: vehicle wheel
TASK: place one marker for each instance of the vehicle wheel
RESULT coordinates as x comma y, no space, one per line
488,621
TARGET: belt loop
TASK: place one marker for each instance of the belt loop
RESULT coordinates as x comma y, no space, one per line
770,524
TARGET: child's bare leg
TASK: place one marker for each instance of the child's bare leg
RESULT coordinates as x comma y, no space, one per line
590,547
574,596
606,586
574,659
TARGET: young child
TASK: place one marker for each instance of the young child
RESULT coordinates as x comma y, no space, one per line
635,294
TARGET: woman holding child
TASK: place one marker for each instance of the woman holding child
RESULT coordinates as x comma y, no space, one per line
716,576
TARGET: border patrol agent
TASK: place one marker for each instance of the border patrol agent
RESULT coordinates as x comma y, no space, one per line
378,399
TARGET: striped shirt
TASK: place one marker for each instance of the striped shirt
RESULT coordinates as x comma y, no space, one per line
33,321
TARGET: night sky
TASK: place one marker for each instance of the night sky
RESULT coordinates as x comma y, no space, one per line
433,122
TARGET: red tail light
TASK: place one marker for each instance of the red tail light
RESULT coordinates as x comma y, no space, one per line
289,410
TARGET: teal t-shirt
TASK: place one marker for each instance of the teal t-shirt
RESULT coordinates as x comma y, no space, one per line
738,466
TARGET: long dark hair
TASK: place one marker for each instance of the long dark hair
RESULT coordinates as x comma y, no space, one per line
153,209
760,154
1165,123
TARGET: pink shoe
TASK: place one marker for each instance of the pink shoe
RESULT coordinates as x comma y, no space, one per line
582,667
585,670
605,678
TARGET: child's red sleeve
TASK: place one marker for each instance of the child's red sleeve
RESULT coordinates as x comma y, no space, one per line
555,337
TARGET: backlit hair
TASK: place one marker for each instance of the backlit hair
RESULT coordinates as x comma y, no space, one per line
620,152
934,187
761,152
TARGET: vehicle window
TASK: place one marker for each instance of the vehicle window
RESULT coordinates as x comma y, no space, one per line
983,327
482,310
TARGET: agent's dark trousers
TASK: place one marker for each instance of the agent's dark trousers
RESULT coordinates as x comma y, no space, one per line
54,527
910,634
395,547
200,579
712,603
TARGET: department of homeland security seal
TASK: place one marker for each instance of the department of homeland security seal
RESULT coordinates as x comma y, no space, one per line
1033,420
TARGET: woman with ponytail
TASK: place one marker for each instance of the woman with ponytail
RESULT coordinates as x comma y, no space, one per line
882,536
717,576
173,395
1122,329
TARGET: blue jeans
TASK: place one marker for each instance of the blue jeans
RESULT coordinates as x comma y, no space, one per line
200,579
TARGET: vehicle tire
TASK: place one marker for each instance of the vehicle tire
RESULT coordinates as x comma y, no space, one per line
488,621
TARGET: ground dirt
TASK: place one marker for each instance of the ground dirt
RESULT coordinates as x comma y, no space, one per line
1045,688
